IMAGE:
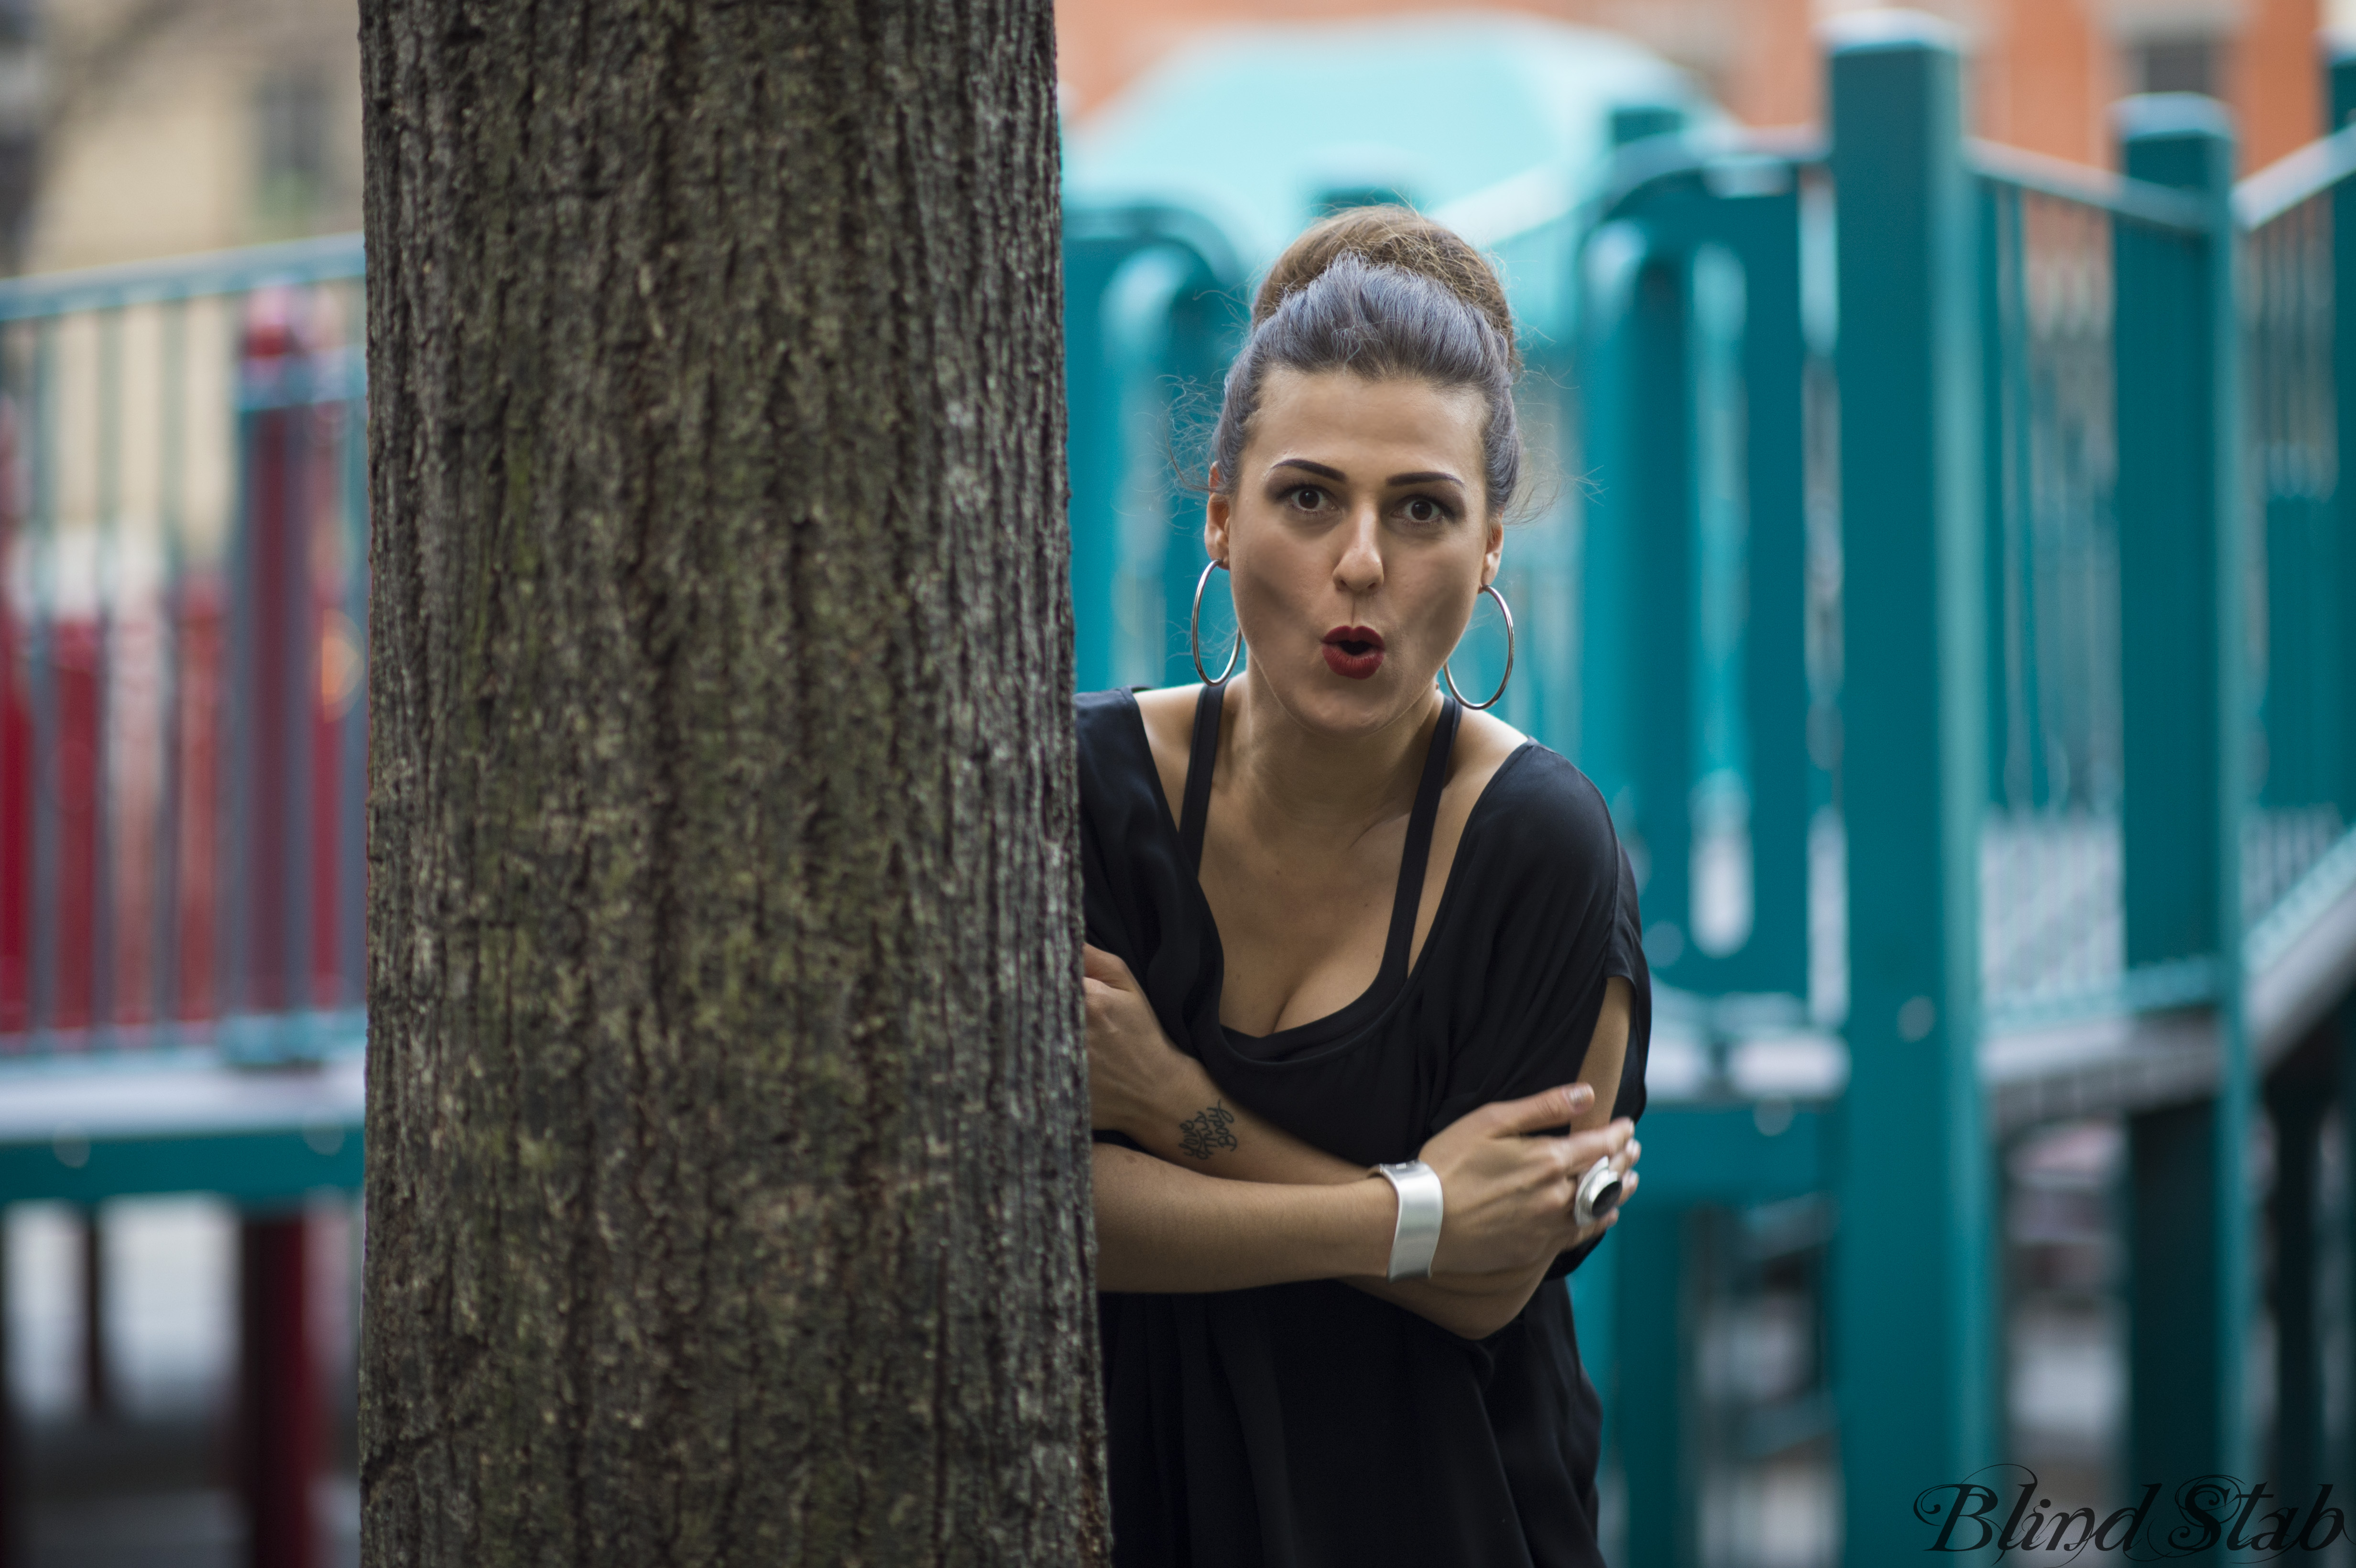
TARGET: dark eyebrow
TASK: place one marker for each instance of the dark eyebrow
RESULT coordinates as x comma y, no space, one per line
1430,477
1317,468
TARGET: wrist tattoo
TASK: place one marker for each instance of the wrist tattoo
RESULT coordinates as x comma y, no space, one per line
1207,1132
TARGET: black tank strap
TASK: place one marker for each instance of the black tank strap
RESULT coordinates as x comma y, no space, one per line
1417,853
1201,758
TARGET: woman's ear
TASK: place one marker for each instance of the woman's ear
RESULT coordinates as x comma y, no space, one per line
1218,511
1495,552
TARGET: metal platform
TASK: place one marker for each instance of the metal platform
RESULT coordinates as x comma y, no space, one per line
86,1128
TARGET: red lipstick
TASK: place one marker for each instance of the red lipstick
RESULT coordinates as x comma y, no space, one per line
1355,653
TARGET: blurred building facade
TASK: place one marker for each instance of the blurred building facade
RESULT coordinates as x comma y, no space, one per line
2044,71
132,129
169,126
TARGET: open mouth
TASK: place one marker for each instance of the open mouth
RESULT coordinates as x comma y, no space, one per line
1354,652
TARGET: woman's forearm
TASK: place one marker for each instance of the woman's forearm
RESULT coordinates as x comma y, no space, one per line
1193,1125
1195,1213
1166,1229
1189,1121
1196,1129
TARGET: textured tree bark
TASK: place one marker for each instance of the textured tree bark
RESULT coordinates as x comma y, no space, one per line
727,1194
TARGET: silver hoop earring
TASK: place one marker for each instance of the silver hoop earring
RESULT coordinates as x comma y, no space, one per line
1195,630
1491,589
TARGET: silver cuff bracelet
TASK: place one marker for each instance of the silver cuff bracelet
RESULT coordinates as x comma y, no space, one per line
1417,1236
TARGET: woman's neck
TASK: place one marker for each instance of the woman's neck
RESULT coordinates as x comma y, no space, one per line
1297,780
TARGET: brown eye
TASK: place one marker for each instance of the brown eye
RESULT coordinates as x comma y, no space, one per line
1423,509
1307,496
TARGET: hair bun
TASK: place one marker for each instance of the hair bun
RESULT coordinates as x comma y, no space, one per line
1392,236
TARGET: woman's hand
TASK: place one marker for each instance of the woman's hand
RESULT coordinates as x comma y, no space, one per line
1507,1186
1132,1066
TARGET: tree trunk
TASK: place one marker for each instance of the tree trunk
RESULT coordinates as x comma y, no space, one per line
727,1192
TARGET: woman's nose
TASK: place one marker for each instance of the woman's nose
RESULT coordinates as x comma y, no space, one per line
1361,566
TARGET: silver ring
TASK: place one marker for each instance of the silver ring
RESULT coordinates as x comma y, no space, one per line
1194,631
1600,1191
1491,589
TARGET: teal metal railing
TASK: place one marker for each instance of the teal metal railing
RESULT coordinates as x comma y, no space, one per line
2052,933
2304,770
1706,666
181,648
2086,654
1154,307
1695,544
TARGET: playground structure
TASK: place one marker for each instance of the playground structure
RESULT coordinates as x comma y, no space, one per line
182,732
1948,593
1948,580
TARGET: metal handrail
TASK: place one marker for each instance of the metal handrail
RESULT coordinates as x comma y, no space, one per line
2288,181
1156,222
2139,201
329,259
1528,201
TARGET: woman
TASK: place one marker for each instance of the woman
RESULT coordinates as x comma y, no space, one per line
1335,919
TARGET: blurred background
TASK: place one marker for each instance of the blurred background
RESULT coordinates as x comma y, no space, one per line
182,525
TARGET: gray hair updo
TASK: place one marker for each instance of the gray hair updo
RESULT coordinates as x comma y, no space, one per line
1382,291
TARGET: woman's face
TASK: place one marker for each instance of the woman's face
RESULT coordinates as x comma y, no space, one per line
1357,537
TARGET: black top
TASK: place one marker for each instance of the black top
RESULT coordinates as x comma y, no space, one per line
1308,1425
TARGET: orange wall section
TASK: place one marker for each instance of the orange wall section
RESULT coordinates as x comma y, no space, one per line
1758,57
2274,80
2041,75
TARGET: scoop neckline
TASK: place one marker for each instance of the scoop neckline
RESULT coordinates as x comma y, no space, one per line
1345,1020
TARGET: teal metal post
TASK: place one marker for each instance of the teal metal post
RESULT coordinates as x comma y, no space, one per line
1652,1419
1639,121
1668,441
1094,453
1654,481
1595,1314
14,1493
1205,328
2340,96
1150,322
2175,1395
1637,580
1611,262
2342,1024
1775,656
1913,1381
2187,733
2295,1102
1643,690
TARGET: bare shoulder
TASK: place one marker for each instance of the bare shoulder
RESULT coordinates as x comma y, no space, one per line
1484,742
1169,716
